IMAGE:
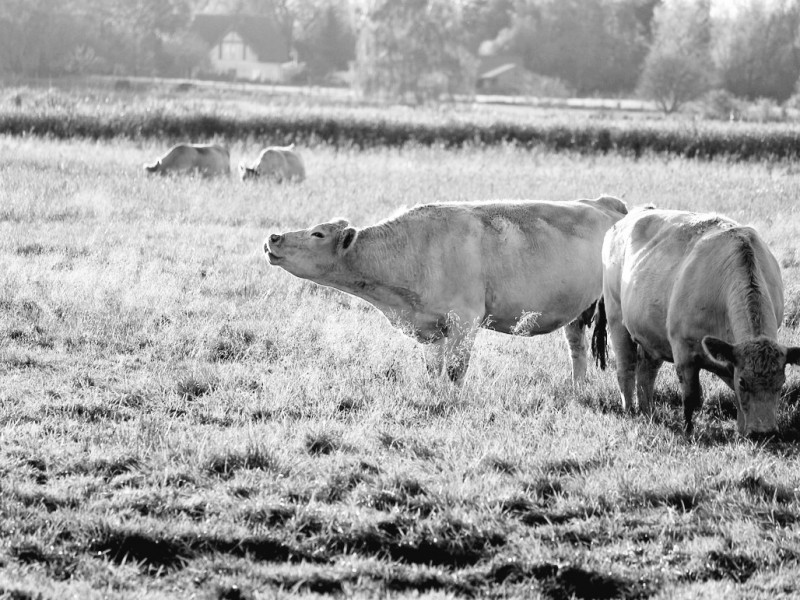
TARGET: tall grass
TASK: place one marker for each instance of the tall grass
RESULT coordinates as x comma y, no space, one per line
180,418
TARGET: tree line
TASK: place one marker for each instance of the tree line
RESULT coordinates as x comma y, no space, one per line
669,50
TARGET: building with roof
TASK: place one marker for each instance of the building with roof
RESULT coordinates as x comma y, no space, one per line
501,73
244,46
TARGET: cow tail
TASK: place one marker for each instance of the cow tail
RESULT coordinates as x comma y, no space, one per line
600,335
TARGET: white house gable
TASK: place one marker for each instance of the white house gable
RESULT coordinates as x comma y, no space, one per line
246,47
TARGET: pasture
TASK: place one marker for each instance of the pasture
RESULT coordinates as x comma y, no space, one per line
179,419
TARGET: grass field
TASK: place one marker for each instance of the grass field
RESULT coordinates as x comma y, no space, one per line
180,419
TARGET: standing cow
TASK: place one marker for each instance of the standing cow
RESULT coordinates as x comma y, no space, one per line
206,159
703,292
279,163
440,270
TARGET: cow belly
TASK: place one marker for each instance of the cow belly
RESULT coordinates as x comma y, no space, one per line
537,316
528,323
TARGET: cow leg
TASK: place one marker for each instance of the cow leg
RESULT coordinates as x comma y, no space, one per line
625,352
646,371
434,356
576,338
450,356
457,357
689,377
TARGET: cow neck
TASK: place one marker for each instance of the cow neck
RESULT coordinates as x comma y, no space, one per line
749,310
374,269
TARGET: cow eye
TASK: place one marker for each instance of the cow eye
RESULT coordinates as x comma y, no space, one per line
743,384
317,234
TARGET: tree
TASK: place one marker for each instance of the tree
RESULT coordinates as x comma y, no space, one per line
37,36
757,50
596,46
324,37
678,67
483,20
413,50
672,79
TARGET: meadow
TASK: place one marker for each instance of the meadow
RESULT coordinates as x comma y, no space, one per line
179,419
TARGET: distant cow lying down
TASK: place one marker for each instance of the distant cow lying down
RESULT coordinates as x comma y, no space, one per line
279,163
206,159
703,292
438,271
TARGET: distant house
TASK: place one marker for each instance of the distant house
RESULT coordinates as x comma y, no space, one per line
500,74
244,46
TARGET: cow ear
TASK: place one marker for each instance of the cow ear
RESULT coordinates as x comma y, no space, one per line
793,355
719,351
346,239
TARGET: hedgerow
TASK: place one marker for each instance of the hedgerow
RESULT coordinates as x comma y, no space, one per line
364,127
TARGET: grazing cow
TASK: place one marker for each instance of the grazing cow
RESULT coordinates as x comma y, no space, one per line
703,292
440,270
279,163
206,159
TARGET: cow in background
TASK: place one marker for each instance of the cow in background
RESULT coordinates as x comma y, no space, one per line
277,163
206,159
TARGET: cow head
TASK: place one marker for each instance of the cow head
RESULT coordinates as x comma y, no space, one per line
311,253
246,172
154,168
758,367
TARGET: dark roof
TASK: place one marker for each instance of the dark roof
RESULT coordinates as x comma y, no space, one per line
492,63
262,34
497,71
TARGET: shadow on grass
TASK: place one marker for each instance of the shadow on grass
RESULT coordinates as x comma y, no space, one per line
444,541
571,466
401,493
723,564
159,553
562,582
757,486
226,464
106,468
681,500
539,513
59,565
87,412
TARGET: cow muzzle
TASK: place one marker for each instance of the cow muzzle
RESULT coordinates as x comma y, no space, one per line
272,244
760,421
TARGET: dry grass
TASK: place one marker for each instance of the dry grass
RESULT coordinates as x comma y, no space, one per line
180,418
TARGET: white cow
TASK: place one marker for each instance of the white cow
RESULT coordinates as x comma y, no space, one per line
206,159
279,163
703,292
439,270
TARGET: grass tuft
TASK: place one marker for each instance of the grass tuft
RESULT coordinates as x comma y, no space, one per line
194,385
105,468
322,442
724,564
340,484
757,486
33,249
227,463
499,464
271,515
682,500
231,344
59,565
